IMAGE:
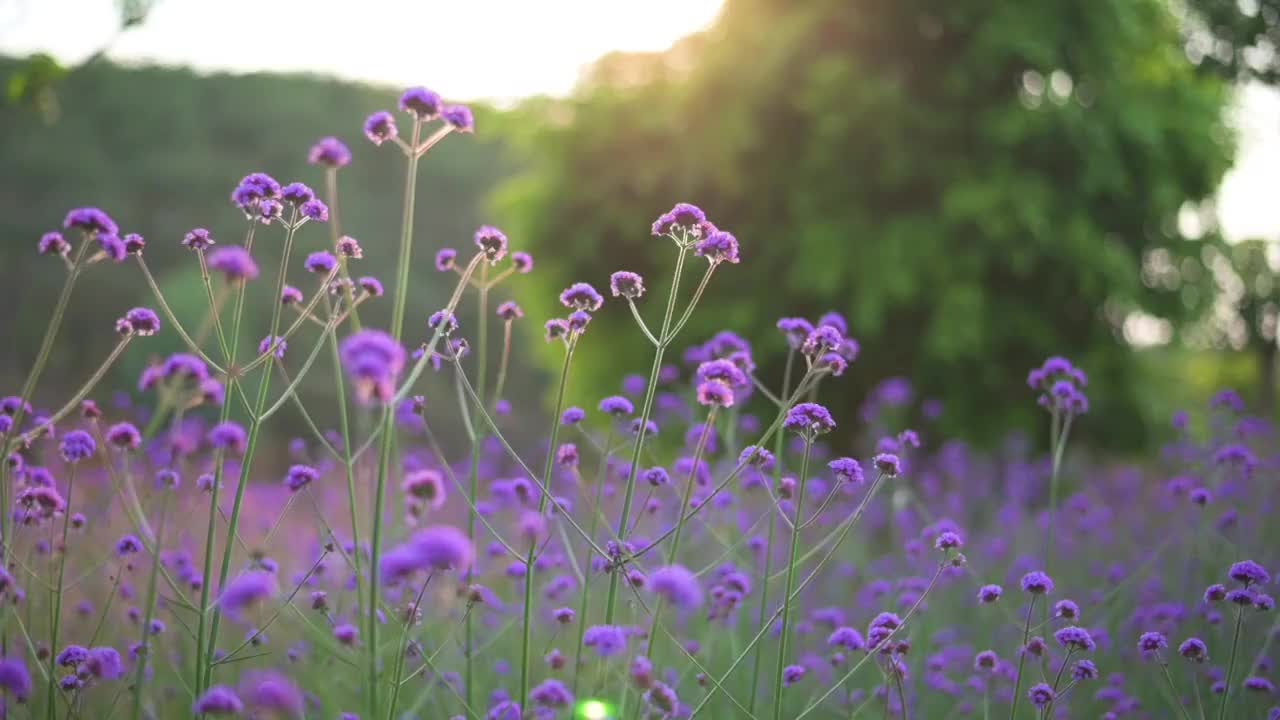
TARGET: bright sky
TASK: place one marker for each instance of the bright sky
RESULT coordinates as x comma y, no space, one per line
469,49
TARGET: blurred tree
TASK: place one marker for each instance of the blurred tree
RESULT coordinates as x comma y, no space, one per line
974,184
160,149
1236,37
1246,310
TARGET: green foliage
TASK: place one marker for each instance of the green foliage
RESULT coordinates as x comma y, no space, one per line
1236,37
161,149
974,184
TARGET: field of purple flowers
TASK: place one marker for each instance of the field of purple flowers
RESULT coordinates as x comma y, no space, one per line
695,546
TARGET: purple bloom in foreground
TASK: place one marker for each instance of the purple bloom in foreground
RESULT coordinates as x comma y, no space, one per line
581,296
677,584
606,640
247,590
1037,583
299,476
420,102
234,262
441,547
77,445
52,243
14,678
1194,649
374,361
551,693
792,674
1249,573
809,419
627,285
888,464
124,435
272,694
90,220
1041,695
492,242
329,152
218,700
459,117
1150,643
380,127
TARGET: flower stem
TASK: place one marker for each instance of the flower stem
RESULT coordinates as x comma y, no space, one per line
527,626
1231,665
645,410
473,472
791,579
388,415
1173,690
144,647
255,427
778,448
55,596
1022,659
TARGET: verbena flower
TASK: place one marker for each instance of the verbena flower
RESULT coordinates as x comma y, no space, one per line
321,262
52,243
1037,583
1249,572
1075,638
809,419
420,102
985,661
627,285
373,360
124,435
77,445
218,700
492,243
683,217
888,464
246,590
1150,643
617,406
605,640
380,127
14,678
234,262
677,585
718,247
581,296
459,117
299,476
1194,649
329,152
1084,670
522,262
1041,694
437,548
1066,609
90,220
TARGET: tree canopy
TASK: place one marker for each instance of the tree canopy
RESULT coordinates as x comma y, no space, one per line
975,185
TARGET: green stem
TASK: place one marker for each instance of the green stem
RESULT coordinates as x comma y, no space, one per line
1022,659
255,427
544,495
778,447
1059,442
55,597
1231,666
473,474
584,603
645,409
1173,690
791,579
144,648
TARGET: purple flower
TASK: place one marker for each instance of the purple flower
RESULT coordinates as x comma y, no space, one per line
380,127
420,102
52,243
71,656
847,638
77,445
299,476
757,457
522,262
606,640
492,242
572,416
441,547
90,220
1084,670
677,584
551,693
321,262
459,117
1066,609
266,344
315,210
714,394
1041,695
581,296
104,663
1194,649
683,217
271,694
809,419
112,247
443,321
329,152
985,660
198,239
1150,643
888,464
134,243
246,590
128,545
1037,583
426,485
617,406
948,541
1259,684
823,339
1249,573
228,435
846,469
445,259
626,285
1075,638
509,311
234,262
718,247
218,700
370,285
374,361
1215,593
346,634
724,372
14,678
290,295
296,193
792,674
124,435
